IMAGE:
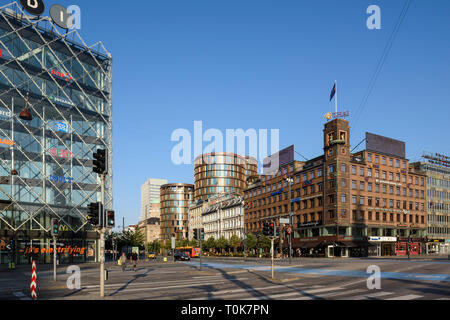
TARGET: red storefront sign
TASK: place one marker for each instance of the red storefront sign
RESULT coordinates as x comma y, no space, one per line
61,153
414,248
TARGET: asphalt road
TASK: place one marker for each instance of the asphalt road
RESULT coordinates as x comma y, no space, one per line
235,279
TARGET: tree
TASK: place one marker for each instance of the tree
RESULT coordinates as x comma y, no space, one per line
235,242
194,243
264,242
210,244
251,241
155,246
222,243
132,238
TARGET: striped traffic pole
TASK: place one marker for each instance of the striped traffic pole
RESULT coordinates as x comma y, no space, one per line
33,281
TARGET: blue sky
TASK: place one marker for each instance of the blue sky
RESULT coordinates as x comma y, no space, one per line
265,64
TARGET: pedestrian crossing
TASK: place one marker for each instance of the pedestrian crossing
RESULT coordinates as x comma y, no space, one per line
305,292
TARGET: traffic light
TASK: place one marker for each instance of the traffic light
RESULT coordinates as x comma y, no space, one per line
55,227
266,229
110,221
100,162
202,234
95,216
10,246
196,234
272,229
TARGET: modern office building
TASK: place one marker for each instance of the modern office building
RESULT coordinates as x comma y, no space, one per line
55,112
437,169
222,173
150,198
366,203
175,201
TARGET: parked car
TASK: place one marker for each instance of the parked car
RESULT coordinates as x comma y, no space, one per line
152,255
181,256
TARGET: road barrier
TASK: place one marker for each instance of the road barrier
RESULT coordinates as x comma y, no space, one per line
33,281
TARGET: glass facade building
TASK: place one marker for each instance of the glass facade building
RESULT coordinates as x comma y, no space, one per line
46,163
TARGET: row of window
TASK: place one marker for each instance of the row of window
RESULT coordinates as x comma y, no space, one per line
385,160
359,215
384,188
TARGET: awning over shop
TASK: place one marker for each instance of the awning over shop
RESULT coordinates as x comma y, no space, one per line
308,244
353,244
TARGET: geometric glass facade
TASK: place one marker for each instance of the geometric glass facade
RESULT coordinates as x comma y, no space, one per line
46,163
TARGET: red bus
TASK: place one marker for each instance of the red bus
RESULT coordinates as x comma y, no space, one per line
190,251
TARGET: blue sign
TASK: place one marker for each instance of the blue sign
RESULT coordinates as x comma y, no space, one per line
59,179
62,127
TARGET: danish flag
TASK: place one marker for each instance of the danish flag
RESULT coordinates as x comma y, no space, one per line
33,281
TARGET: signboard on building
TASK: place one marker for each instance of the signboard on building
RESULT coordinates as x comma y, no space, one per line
383,239
385,145
275,161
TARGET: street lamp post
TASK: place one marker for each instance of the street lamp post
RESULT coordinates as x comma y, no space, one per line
290,181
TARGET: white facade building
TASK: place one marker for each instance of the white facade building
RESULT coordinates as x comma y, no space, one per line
220,217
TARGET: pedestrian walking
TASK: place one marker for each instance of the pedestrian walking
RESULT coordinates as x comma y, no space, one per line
123,261
134,259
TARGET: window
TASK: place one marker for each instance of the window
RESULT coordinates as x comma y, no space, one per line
320,173
391,162
369,157
311,175
384,175
384,188
404,165
377,159
397,163
370,187
353,169
344,198
369,201
377,187
384,161
354,199
377,174
354,185
361,200
397,177
361,186
343,167
391,176
369,172
343,183
361,172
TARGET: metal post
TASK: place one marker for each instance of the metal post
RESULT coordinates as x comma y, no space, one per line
102,241
409,242
272,241
201,251
54,258
290,221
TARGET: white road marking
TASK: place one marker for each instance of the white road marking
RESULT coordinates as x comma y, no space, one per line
277,296
370,295
229,292
407,297
330,295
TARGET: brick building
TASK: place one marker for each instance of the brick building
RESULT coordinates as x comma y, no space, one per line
344,204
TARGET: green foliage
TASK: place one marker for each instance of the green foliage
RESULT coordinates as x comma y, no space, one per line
222,243
210,244
235,242
264,242
251,241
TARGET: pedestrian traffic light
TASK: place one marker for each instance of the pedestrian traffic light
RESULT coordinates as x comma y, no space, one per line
196,234
110,221
100,162
95,216
202,234
55,227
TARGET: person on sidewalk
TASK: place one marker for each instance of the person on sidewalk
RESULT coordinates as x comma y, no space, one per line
123,261
134,259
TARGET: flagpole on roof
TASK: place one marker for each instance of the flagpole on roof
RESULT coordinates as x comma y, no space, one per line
336,98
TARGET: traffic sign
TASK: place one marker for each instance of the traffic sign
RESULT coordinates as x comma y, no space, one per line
8,247
289,230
